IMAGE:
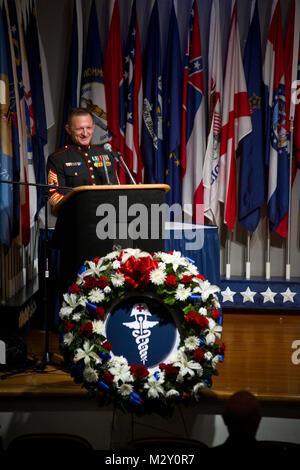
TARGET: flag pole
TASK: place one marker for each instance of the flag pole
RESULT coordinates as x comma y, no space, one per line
268,262
228,249
248,262
288,242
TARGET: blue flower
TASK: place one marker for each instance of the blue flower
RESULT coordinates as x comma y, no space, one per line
102,386
82,269
135,399
104,356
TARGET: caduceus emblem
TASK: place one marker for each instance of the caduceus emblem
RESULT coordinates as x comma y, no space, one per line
141,328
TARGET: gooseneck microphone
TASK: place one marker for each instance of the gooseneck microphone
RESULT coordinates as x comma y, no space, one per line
117,156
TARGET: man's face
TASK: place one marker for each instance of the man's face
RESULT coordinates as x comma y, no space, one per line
81,129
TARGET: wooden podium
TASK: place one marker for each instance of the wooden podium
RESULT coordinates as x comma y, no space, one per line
93,219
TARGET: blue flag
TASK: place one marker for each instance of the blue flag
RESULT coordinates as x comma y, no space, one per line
71,99
152,131
92,84
172,86
39,139
6,160
253,190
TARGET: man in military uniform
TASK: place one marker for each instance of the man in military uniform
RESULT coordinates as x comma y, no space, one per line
80,163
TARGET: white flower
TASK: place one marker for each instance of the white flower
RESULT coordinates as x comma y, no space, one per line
162,265
70,302
208,356
87,353
68,338
198,387
98,327
191,270
158,276
182,293
135,252
207,289
107,290
176,259
112,255
117,280
202,311
116,264
117,360
121,371
154,387
191,343
76,316
213,332
186,366
95,269
125,389
172,393
90,375
215,361
96,295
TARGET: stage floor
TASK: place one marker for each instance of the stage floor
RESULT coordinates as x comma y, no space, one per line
262,355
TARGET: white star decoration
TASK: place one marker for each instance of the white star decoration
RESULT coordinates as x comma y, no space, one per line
288,295
227,295
268,295
248,295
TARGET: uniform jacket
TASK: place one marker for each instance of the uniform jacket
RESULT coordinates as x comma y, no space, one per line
73,166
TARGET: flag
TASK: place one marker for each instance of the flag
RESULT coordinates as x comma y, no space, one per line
253,190
236,121
172,93
152,131
277,144
6,151
133,91
39,139
215,97
291,56
9,16
92,90
193,122
296,92
113,79
73,81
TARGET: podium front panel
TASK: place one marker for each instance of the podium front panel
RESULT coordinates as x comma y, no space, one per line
92,223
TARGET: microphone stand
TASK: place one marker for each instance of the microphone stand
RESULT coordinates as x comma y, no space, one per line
117,156
47,355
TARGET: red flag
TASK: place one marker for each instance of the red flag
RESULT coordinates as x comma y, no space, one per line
113,80
236,121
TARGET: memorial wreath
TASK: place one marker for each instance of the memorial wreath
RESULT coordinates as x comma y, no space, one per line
176,282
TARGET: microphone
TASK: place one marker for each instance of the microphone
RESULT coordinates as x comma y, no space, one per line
126,168
105,166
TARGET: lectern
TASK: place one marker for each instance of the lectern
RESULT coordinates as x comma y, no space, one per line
91,220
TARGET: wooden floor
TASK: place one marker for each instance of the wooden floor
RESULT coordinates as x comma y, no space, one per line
258,358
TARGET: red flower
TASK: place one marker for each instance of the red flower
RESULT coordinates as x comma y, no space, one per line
74,288
139,371
107,345
97,259
200,276
193,317
90,282
221,349
186,279
100,312
199,355
171,280
107,378
202,321
168,368
215,314
102,282
87,328
68,326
